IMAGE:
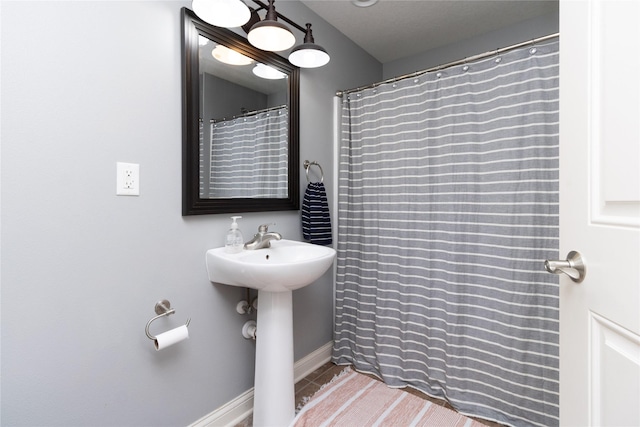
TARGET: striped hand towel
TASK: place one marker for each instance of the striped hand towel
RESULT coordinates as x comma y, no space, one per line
316,223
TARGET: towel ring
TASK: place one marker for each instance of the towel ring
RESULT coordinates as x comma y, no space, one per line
307,165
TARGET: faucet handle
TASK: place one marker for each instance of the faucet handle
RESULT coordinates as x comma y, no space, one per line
265,227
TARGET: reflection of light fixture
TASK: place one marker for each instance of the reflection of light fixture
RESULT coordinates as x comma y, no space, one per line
202,41
222,13
267,72
308,54
230,56
269,34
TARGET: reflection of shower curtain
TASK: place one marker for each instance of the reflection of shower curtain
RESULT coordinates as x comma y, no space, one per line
448,205
249,156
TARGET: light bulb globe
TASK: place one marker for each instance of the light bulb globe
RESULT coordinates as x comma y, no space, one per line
271,36
309,55
222,13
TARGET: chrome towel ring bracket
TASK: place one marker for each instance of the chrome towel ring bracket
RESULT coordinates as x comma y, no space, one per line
162,308
307,165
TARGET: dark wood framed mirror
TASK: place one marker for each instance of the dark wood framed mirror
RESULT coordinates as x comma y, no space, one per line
256,169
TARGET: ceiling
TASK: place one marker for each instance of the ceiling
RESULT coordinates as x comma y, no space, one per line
394,29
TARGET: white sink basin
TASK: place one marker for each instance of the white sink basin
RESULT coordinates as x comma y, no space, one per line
285,266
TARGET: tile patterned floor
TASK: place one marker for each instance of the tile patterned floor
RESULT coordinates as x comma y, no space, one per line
309,385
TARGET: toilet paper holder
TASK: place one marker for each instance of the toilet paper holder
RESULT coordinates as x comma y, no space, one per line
162,308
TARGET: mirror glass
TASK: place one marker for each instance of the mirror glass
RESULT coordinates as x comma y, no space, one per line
240,124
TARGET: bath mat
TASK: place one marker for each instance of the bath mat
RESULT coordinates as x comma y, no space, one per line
356,400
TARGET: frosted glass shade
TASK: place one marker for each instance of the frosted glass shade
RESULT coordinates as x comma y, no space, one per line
309,55
271,36
222,13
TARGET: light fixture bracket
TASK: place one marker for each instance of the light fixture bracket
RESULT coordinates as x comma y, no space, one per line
308,36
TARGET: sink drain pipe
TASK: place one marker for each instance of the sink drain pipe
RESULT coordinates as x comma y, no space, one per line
248,305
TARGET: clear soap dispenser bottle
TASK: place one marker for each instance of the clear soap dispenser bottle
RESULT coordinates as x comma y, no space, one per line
234,242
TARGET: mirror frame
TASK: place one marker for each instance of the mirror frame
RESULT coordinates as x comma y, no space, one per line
192,204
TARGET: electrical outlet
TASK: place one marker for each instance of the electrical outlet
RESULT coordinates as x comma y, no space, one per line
127,179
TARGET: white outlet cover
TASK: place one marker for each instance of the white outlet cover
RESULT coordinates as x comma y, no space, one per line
127,179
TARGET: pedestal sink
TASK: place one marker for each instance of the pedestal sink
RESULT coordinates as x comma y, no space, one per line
275,272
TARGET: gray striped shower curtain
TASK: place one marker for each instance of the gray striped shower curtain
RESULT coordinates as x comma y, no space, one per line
447,208
249,156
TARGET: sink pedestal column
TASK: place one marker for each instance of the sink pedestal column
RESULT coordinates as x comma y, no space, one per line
274,397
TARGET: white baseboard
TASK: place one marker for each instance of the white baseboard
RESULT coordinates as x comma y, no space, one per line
312,361
229,414
233,412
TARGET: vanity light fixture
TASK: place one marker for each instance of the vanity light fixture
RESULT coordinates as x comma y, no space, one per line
309,54
222,13
230,56
269,34
266,34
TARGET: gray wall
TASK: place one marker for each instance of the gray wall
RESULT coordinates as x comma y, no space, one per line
226,99
84,85
522,32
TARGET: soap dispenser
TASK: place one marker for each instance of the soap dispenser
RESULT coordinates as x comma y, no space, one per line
234,242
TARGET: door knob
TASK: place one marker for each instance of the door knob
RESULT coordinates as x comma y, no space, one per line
574,266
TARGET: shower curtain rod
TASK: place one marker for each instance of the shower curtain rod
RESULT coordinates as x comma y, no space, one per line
451,64
247,114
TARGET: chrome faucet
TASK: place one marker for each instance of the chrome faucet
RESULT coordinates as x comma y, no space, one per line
262,239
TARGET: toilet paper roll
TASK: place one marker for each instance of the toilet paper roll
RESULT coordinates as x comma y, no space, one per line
171,337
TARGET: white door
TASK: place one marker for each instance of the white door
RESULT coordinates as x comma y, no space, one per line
600,211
